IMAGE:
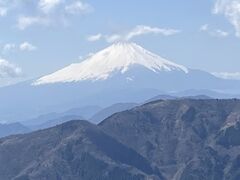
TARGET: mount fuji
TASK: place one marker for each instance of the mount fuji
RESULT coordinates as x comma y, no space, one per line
123,72
118,59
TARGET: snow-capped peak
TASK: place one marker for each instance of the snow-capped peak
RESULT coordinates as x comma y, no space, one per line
119,57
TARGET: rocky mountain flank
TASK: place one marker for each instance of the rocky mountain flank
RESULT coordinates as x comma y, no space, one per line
168,139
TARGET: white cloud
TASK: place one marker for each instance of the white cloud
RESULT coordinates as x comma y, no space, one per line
26,46
142,30
213,32
227,75
231,10
9,47
48,5
220,33
78,7
9,70
139,31
24,22
9,5
204,27
44,12
3,11
95,37
113,38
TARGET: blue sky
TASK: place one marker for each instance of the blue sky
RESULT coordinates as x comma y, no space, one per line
38,37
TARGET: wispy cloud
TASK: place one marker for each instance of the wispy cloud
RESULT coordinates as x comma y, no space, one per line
139,30
48,5
8,47
24,22
227,75
143,30
219,33
26,46
43,12
204,27
78,7
214,32
113,38
95,37
7,6
231,10
9,70
3,11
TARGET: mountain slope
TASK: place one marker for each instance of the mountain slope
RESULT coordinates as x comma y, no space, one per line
71,151
186,139
167,139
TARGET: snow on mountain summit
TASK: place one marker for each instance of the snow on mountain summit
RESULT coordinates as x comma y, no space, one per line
119,57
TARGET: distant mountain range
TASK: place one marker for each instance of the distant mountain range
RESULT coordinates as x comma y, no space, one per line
13,128
75,113
108,111
121,73
92,114
179,139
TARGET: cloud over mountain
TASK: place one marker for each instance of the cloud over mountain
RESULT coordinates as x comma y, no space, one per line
227,75
138,30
